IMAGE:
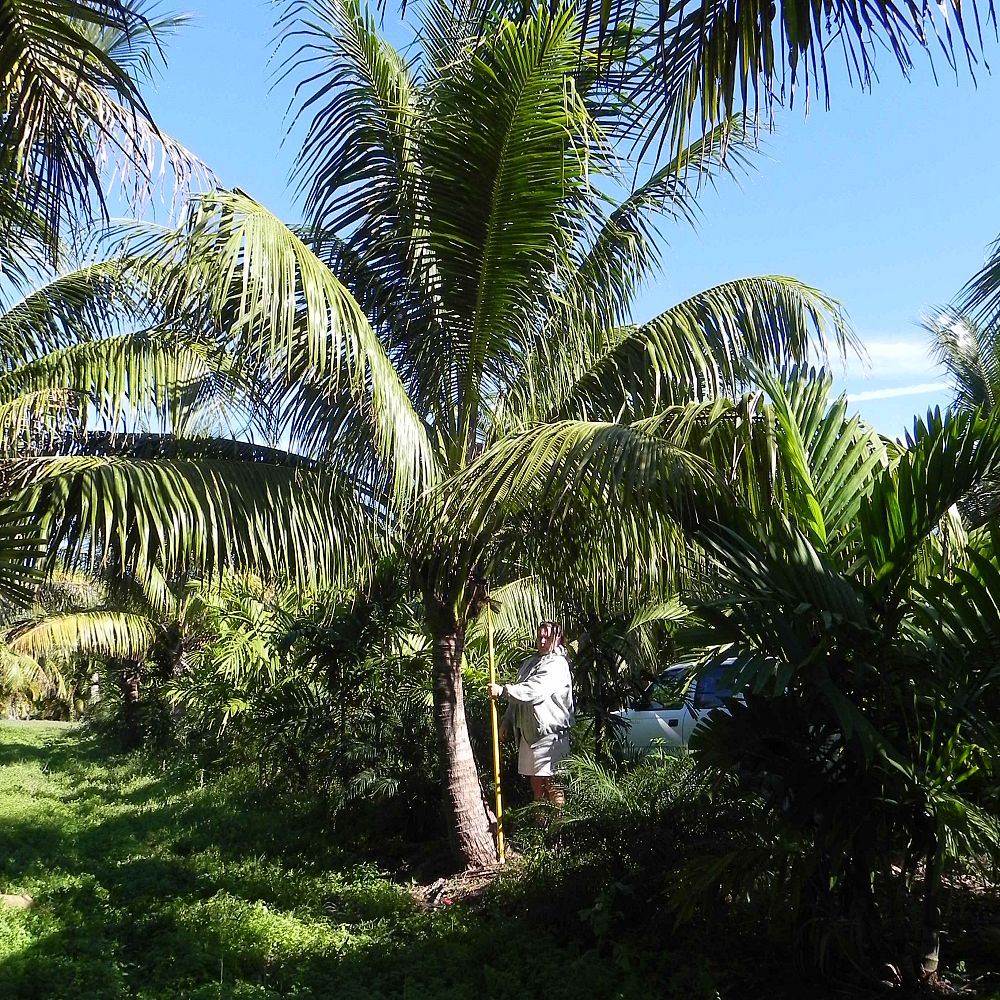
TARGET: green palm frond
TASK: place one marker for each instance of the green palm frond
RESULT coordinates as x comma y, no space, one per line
704,347
516,609
600,287
574,463
23,676
154,376
828,460
698,63
508,149
22,545
198,515
970,353
40,421
70,101
94,300
948,456
980,298
285,314
363,135
112,634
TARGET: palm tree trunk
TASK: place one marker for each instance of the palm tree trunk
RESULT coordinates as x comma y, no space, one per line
930,949
464,803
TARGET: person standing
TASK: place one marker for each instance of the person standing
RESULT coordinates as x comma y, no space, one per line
540,713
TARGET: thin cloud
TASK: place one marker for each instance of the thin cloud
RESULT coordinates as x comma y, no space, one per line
923,388
889,357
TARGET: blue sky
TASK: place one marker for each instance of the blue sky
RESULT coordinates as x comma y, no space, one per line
887,202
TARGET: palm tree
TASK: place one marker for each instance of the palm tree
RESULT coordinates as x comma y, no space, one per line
862,634
464,286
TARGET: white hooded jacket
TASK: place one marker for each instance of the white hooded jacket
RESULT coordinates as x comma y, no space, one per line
541,699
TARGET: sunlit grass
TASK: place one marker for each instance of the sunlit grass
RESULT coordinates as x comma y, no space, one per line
150,881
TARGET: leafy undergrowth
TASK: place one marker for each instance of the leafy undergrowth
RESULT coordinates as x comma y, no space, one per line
155,883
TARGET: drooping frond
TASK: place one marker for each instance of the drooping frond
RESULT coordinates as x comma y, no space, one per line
155,378
970,353
21,546
285,315
701,62
92,301
23,676
70,102
198,515
114,634
705,347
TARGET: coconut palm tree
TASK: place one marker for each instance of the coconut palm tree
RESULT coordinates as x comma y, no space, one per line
464,285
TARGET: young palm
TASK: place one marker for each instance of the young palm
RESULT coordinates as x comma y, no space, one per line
464,286
854,623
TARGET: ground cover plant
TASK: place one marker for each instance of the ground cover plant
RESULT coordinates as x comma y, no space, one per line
155,880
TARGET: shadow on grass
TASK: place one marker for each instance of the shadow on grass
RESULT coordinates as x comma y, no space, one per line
217,947
55,745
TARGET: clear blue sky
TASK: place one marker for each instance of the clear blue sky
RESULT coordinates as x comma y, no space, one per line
887,202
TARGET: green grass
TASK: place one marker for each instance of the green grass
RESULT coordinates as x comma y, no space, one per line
150,883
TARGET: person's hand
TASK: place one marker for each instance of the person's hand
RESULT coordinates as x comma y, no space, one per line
504,733
495,690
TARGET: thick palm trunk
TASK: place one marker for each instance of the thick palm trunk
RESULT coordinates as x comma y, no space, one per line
465,806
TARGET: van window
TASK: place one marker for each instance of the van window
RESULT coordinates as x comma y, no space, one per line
669,689
714,688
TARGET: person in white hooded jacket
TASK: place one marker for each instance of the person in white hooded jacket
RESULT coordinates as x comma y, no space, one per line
540,713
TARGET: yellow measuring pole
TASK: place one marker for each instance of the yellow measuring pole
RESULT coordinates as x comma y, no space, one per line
496,734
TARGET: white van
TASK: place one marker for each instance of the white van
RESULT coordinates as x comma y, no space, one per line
676,703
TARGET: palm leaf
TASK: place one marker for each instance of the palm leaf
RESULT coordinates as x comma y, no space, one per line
702,62
112,634
21,548
706,346
70,99
286,316
198,515
948,457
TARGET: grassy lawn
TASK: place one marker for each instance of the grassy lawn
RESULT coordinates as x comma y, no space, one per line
151,883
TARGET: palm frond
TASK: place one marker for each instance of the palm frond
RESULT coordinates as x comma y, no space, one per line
707,346
198,515
22,545
700,63
112,634
828,461
970,353
948,456
363,103
70,103
285,315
